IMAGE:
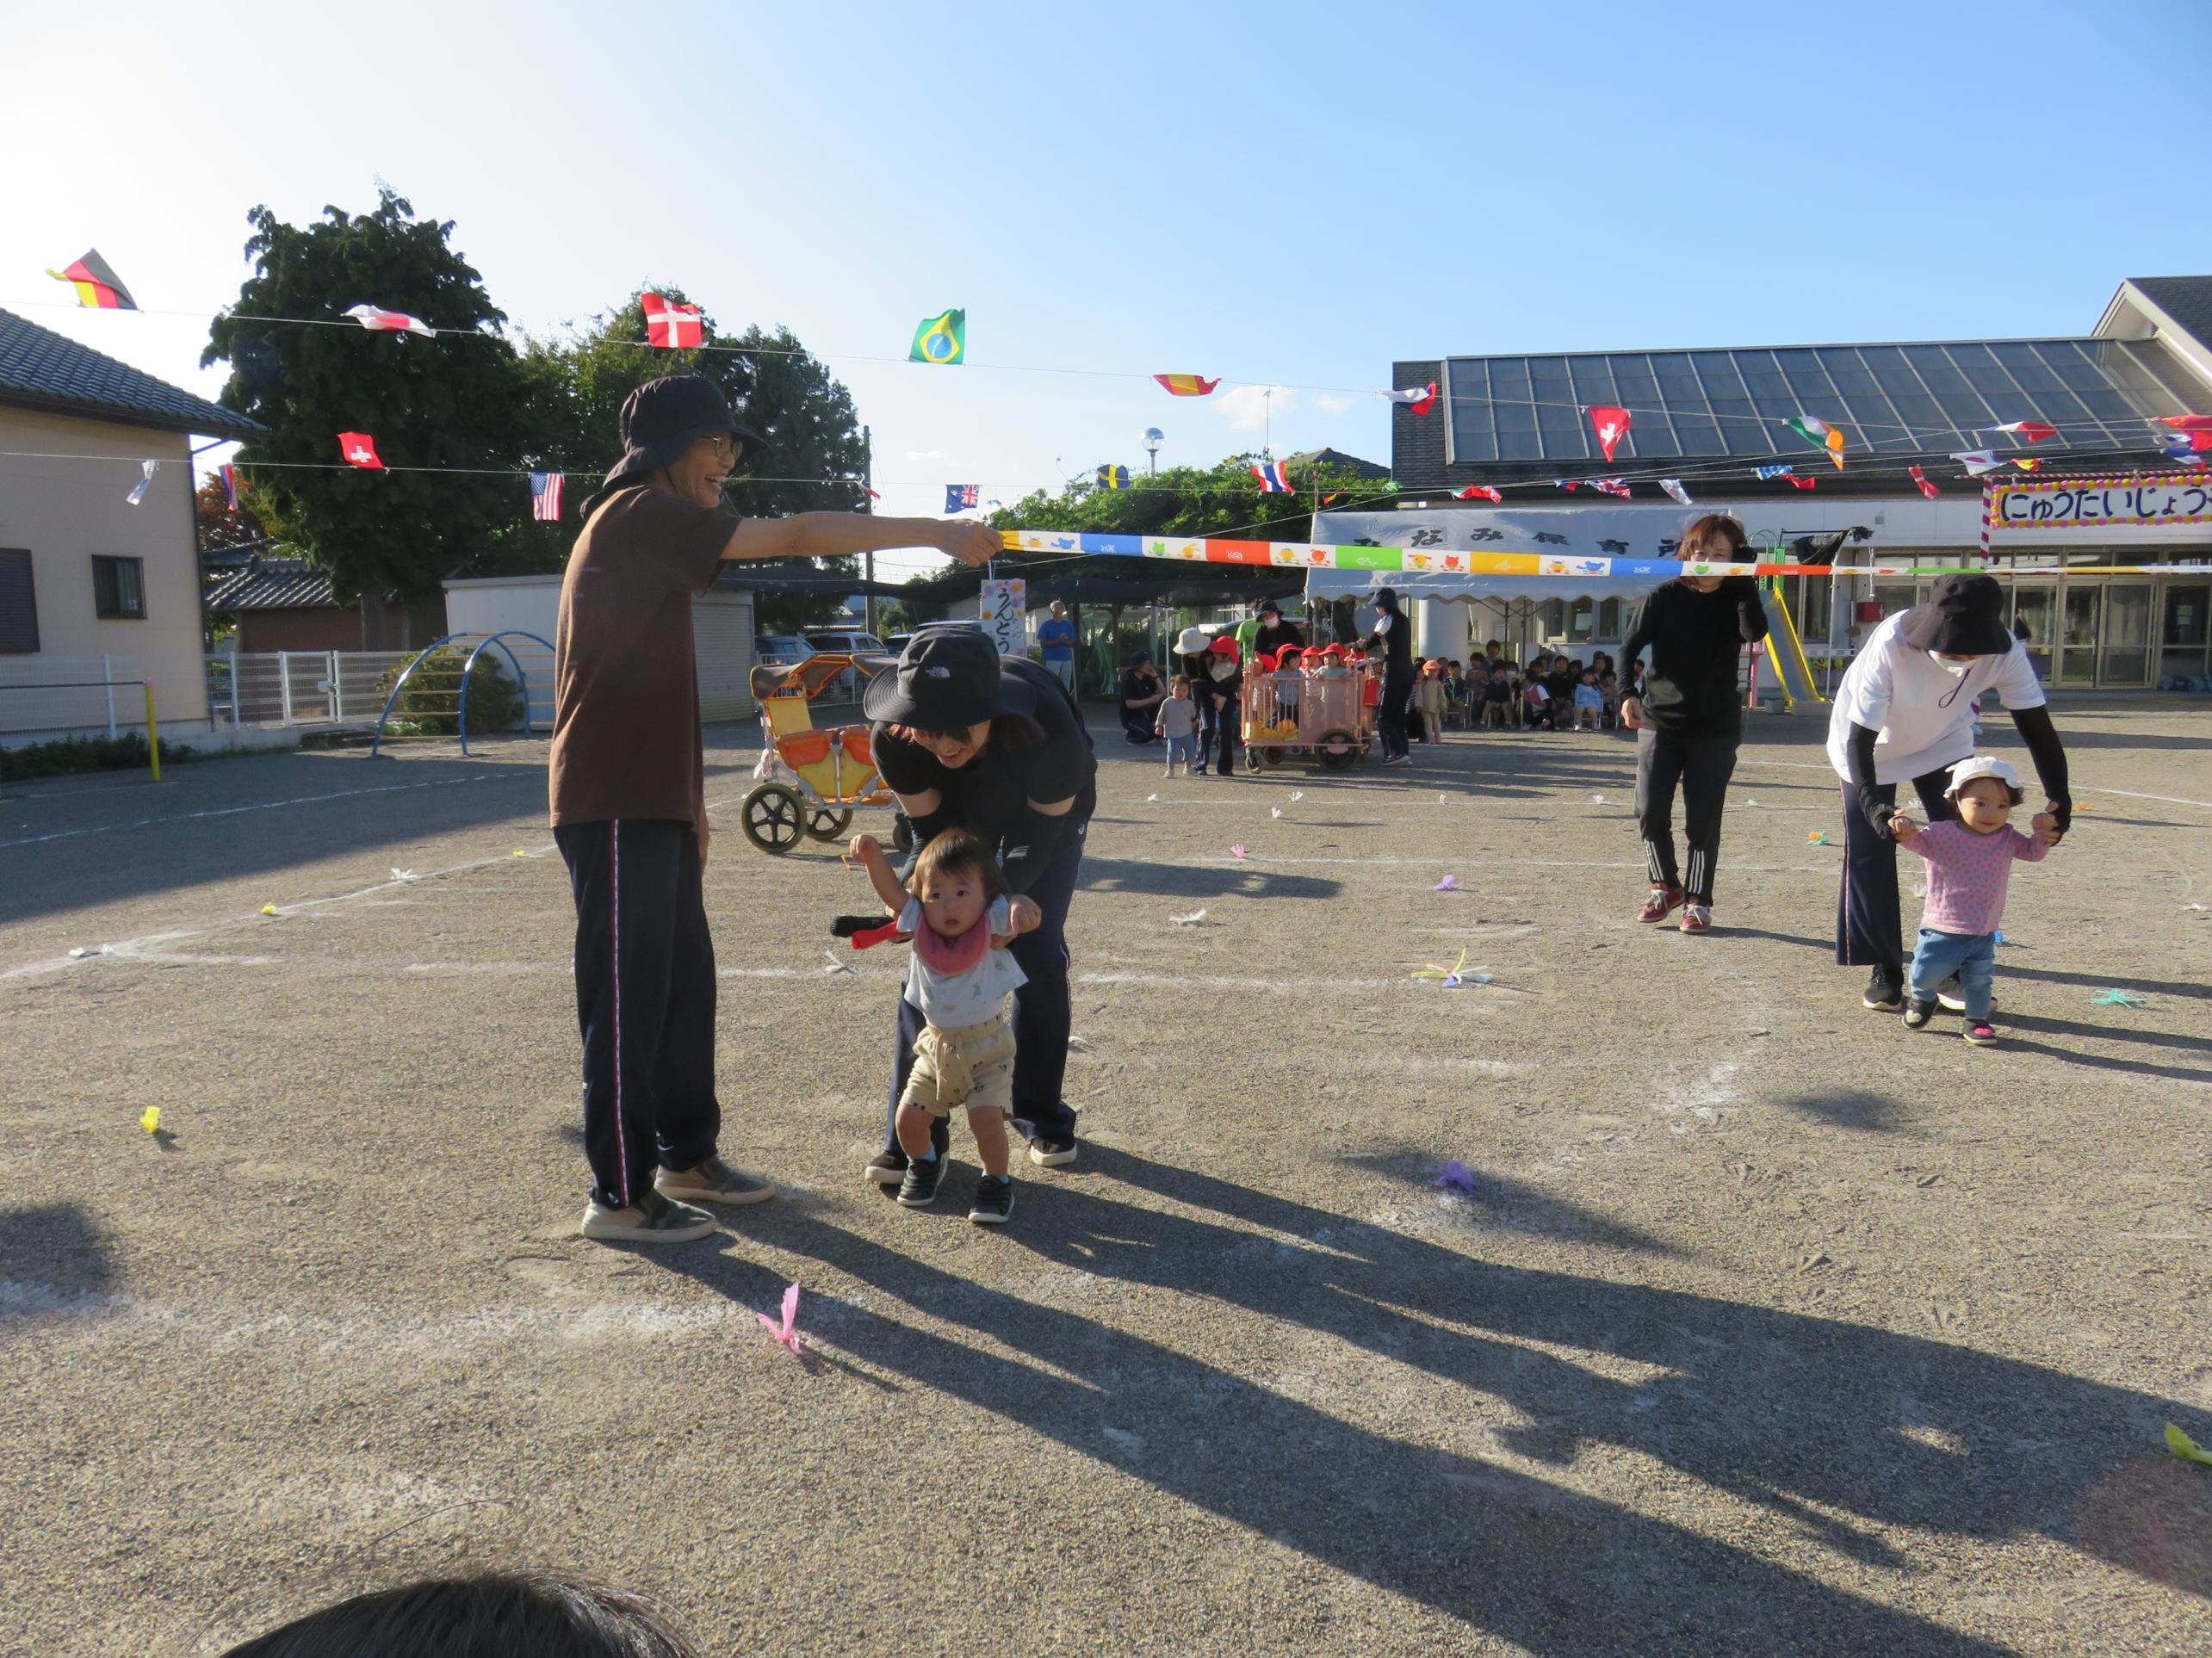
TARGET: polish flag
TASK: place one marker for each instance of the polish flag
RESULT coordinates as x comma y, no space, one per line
379,321
359,448
673,327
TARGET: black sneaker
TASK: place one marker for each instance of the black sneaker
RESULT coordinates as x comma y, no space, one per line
1048,1151
886,1168
1918,1012
993,1200
1884,994
918,1188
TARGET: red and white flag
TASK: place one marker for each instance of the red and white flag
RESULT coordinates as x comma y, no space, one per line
1795,482
673,327
1977,461
1921,478
1479,492
2028,431
1611,425
2189,423
1419,399
359,448
379,321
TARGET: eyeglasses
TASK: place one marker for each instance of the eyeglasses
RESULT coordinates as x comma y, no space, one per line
725,446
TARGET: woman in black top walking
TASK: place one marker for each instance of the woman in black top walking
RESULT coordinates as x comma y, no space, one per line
1392,640
968,741
1688,722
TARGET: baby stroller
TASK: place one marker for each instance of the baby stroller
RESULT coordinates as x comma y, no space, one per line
808,781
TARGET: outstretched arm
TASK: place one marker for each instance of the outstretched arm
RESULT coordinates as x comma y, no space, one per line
831,534
868,853
2035,730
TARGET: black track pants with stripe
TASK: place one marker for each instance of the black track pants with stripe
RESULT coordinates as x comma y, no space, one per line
645,1000
1702,767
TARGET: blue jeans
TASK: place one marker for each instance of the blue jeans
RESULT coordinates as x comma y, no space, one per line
1179,748
1972,955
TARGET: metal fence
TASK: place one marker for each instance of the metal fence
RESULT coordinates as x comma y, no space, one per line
64,696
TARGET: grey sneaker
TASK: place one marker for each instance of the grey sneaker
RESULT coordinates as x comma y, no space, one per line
713,1182
993,1201
918,1188
1918,1012
652,1219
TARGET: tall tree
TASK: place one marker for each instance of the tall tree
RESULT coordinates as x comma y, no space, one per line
458,401
221,529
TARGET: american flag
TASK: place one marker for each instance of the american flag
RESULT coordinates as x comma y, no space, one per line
545,496
1274,478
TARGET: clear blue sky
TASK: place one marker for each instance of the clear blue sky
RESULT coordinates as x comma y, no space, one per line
1293,194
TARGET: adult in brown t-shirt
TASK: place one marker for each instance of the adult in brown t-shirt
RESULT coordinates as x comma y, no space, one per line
628,795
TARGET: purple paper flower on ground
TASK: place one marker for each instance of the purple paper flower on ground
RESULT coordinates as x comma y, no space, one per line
1449,884
1456,1176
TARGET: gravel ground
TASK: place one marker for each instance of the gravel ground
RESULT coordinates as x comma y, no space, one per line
1769,1328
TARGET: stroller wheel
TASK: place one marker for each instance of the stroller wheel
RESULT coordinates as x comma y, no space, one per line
772,817
827,822
1337,751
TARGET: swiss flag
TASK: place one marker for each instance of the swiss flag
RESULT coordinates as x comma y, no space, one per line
1611,424
673,327
359,448
1480,492
1795,482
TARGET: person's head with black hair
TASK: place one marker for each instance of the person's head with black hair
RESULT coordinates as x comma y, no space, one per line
492,1615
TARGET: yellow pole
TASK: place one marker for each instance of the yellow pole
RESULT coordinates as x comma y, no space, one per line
153,731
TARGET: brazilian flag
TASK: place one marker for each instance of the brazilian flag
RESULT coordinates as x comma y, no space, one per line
940,339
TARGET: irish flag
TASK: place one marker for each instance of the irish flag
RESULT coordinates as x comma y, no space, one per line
1820,434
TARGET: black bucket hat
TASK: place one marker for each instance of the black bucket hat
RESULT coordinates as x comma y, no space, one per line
663,417
947,680
1964,616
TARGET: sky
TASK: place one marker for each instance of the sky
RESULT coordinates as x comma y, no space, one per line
1292,196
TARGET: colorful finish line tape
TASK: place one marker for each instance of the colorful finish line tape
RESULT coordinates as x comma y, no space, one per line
1405,560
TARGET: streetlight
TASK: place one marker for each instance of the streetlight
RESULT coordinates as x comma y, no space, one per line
1153,439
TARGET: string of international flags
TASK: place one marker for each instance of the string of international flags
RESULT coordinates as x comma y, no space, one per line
942,340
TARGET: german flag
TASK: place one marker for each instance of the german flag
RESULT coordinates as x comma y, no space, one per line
98,288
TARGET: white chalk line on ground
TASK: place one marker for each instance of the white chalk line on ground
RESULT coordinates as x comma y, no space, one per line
258,805
2089,789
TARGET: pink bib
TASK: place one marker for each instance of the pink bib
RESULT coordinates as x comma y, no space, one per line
942,955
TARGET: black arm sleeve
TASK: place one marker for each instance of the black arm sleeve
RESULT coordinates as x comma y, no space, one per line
1862,779
1032,844
1750,610
2049,754
1638,644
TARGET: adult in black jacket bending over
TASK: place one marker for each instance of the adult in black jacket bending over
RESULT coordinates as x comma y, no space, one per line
967,741
1688,721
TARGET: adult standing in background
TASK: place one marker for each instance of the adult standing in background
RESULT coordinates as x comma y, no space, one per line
1392,643
1905,713
1689,720
1056,638
628,783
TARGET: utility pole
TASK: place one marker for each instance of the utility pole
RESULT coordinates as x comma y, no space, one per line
868,481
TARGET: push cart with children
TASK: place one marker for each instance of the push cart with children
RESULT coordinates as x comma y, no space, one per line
1310,704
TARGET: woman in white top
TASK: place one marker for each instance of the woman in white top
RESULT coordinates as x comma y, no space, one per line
1905,712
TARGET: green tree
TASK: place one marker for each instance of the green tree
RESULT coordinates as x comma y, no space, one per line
458,401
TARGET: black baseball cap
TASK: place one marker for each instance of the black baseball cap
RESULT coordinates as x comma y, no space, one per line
947,680
1964,616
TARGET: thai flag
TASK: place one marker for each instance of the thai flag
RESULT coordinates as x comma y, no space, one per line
545,496
1274,478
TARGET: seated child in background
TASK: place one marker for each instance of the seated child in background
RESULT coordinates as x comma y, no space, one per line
1497,697
1589,702
956,912
1178,721
1533,698
1969,862
1609,689
1428,700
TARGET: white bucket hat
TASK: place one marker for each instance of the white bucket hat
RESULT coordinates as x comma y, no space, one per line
1191,641
1983,765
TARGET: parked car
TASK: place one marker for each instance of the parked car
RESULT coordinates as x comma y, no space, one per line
780,647
845,642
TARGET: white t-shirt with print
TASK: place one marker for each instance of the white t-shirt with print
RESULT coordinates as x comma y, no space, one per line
953,1001
1924,712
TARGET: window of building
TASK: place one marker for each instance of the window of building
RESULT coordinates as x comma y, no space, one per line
118,588
19,604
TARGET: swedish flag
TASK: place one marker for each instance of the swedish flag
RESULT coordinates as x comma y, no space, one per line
1112,477
940,339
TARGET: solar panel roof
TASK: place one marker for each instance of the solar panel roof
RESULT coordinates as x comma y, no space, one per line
1904,399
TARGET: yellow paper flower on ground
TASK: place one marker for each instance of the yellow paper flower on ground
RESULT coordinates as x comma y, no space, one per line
150,1119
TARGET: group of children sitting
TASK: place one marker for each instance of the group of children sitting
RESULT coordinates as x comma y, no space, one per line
1554,692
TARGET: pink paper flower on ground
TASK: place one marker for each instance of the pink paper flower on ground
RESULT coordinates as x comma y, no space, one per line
1449,884
1236,852
787,1332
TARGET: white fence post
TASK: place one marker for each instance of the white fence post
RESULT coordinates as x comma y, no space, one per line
107,687
238,690
337,690
284,684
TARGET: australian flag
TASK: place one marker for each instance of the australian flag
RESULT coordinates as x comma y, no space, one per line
545,496
958,498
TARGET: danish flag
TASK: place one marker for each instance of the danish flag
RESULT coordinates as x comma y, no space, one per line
673,327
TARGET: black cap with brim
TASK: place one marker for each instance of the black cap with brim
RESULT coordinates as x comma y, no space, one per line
1964,616
947,680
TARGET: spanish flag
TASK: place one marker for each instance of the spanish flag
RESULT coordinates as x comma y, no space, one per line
98,288
1187,384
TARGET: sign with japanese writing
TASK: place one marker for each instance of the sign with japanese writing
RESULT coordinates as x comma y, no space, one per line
1001,609
2102,504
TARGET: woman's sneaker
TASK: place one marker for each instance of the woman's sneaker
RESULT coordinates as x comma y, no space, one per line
1953,997
1884,994
918,1188
652,1219
1980,1032
1048,1150
713,1182
1661,904
1917,1013
886,1168
1697,918
993,1200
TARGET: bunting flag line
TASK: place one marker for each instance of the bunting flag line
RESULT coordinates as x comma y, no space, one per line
870,493
2026,465
1480,492
360,449
1921,478
1674,487
1112,477
1611,424
1611,486
545,496
2184,446
942,338
391,322
1274,478
1977,461
671,326
958,498
1795,482
1569,484
1187,384
1419,399
145,482
1767,474
230,477
2028,431
2187,423
1819,434
98,288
